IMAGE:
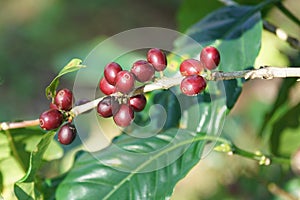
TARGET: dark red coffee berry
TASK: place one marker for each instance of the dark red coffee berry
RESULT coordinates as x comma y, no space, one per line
66,134
51,119
110,72
138,102
106,88
192,85
124,116
107,107
210,57
125,81
191,67
53,106
142,70
64,99
157,58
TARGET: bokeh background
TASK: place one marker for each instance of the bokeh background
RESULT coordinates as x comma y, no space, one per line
37,38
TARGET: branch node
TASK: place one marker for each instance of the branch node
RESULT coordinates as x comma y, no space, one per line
4,126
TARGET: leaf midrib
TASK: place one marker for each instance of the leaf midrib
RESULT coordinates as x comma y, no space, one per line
198,137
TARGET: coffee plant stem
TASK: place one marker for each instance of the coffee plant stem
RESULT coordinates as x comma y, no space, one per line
288,13
293,42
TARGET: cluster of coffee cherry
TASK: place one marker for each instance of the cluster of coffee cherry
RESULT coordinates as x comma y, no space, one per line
57,114
194,83
117,80
118,85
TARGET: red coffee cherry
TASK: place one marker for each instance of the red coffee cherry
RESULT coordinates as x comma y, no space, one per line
110,72
124,116
192,85
125,82
64,99
138,102
53,106
210,57
107,107
191,67
66,134
51,119
143,71
157,58
106,88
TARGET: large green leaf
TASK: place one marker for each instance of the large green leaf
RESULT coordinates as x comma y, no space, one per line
73,65
21,142
134,177
149,168
15,148
27,187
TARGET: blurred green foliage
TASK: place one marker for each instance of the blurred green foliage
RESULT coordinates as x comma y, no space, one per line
34,35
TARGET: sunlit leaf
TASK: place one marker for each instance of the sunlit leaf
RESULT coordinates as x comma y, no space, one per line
139,179
26,187
73,65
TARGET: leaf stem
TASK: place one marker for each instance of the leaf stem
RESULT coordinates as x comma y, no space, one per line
287,13
258,156
226,146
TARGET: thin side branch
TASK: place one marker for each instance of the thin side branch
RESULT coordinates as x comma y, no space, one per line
22,124
287,13
292,41
281,34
